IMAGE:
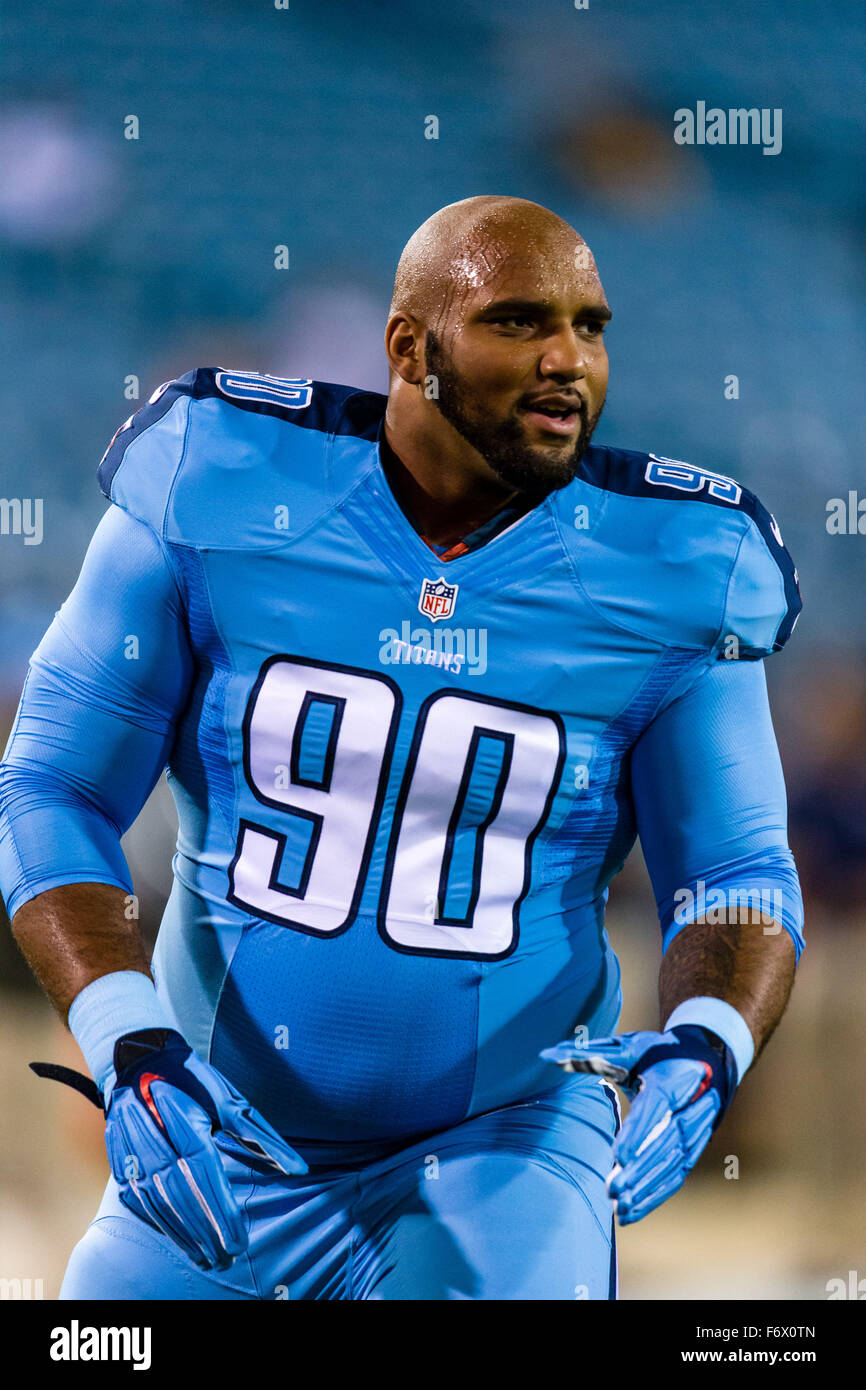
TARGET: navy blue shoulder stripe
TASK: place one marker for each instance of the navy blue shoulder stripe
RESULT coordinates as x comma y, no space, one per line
316,405
158,405
635,474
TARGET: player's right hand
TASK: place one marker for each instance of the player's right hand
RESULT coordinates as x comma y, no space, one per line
170,1119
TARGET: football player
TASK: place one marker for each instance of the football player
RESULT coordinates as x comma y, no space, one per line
371,1057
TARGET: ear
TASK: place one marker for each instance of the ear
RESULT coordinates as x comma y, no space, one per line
404,346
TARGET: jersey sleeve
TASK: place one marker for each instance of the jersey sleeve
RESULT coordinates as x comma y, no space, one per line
237,460
710,804
97,716
680,555
139,468
762,598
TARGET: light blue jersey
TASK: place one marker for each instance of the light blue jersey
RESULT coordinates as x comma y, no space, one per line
403,785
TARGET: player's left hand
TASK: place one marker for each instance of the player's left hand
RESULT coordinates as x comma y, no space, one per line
682,1082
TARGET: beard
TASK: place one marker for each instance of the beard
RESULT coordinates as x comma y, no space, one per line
501,443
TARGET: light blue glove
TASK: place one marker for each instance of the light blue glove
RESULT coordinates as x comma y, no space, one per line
170,1120
682,1082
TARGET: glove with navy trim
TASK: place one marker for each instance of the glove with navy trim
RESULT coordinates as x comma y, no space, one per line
169,1121
681,1082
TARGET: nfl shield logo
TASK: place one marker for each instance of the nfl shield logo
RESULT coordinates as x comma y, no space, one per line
437,599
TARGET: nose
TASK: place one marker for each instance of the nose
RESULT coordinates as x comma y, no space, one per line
564,356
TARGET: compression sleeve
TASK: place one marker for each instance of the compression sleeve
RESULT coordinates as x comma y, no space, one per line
97,717
710,801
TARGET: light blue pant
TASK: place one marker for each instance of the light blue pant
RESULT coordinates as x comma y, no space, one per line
509,1205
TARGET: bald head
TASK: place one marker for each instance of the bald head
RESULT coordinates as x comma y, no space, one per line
471,245
495,344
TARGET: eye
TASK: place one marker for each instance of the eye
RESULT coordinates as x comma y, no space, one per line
594,327
514,320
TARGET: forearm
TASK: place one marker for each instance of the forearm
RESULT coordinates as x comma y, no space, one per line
746,965
73,934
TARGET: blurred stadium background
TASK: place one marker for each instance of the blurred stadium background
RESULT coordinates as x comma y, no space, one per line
305,127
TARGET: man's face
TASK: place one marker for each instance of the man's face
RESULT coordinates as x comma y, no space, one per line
521,365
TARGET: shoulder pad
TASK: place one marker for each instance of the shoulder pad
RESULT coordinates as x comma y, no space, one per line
209,458
682,554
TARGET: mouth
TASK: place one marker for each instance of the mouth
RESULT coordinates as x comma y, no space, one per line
559,417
